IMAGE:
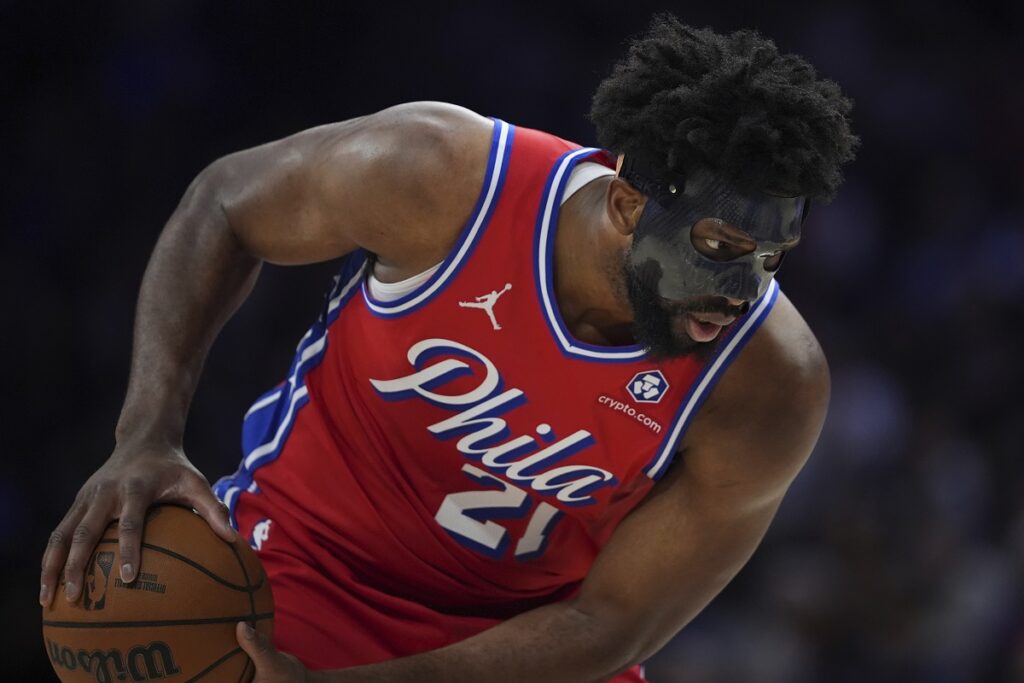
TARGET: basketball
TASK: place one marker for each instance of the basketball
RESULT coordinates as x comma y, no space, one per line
175,621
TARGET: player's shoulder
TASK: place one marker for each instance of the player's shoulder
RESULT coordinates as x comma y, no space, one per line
426,138
786,343
426,162
783,365
428,125
764,416
777,389
432,114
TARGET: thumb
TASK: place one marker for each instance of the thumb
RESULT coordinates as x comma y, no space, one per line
255,644
219,517
209,507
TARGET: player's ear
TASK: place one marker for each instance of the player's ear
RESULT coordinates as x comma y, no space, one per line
625,204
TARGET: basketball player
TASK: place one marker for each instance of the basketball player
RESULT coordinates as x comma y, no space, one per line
554,397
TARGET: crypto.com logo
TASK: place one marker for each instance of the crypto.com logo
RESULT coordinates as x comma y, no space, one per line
648,386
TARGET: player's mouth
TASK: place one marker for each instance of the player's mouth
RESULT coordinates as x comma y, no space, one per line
705,327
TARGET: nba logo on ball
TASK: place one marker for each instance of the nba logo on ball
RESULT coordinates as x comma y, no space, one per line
97,581
648,386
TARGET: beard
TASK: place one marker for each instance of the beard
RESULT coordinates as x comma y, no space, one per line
660,325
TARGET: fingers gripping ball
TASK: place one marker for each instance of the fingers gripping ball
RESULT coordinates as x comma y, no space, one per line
175,621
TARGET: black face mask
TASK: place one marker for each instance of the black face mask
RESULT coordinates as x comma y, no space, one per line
664,257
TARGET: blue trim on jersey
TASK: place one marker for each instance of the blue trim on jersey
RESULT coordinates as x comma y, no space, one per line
267,425
544,249
265,400
351,270
494,181
701,387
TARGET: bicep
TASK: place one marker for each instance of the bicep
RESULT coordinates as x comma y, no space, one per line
369,182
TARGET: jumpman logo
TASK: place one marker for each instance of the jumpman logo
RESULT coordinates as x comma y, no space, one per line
486,302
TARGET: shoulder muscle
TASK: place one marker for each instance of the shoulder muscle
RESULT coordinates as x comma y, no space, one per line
399,183
762,420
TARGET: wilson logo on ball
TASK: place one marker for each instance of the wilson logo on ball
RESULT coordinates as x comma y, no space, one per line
648,386
97,580
173,622
142,663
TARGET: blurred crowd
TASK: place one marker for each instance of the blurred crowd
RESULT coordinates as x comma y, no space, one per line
898,554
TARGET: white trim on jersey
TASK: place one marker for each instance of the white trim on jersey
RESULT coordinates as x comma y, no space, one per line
253,458
263,403
467,241
384,292
554,318
309,351
336,301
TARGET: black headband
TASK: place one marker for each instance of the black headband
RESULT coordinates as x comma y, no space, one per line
641,174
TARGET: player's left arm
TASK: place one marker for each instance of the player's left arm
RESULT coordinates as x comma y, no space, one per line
675,552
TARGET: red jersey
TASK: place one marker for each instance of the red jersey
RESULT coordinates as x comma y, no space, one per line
457,451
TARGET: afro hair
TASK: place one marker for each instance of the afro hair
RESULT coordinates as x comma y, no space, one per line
686,98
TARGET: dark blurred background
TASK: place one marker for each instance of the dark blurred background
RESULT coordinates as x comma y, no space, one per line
898,554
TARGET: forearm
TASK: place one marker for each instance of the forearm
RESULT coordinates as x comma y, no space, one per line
555,643
197,276
618,619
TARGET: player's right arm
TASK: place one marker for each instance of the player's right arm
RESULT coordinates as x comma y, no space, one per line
399,183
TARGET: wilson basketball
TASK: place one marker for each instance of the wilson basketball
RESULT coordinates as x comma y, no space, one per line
175,621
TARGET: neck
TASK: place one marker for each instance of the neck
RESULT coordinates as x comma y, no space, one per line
587,269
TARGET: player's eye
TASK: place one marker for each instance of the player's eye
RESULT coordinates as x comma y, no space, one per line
773,260
720,247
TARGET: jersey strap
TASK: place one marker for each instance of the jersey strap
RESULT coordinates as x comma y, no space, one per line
729,349
494,178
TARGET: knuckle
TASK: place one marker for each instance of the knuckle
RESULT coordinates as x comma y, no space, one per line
129,525
82,534
58,539
103,488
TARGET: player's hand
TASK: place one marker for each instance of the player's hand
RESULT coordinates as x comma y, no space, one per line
271,666
133,478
